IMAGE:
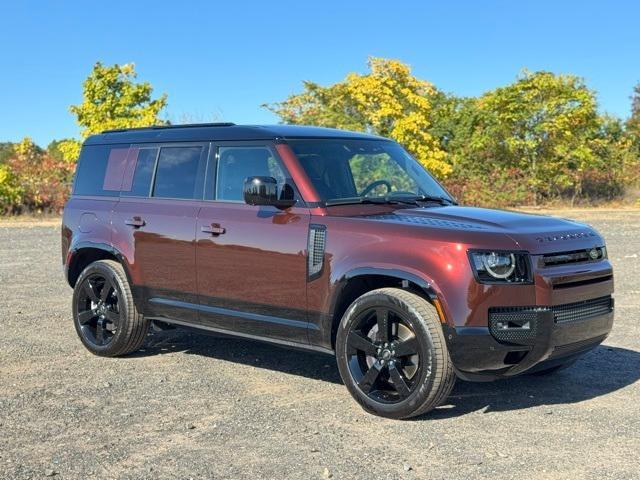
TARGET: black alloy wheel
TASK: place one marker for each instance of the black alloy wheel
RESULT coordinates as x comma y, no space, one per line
104,313
98,310
383,356
392,354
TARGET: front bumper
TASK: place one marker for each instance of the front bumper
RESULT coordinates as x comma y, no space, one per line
520,338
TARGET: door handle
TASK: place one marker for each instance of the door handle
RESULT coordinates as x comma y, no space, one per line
135,222
213,229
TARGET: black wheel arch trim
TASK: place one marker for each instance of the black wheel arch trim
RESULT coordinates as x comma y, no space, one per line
106,247
399,274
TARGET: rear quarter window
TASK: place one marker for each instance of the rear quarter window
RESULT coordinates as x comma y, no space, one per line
100,170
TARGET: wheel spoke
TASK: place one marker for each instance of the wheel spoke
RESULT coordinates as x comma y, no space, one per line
100,332
89,288
399,382
407,347
112,316
106,288
359,342
382,317
86,316
369,379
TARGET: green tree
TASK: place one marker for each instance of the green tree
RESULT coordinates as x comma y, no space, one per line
387,101
6,150
113,99
541,126
633,123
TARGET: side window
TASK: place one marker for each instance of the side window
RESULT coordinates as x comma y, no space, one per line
137,180
237,163
100,170
178,173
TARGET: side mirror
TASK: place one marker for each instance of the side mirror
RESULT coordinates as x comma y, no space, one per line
264,191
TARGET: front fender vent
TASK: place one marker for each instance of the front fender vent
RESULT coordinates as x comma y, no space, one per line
315,248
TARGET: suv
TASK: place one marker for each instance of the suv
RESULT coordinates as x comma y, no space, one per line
326,240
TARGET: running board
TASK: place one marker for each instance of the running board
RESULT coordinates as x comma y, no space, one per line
248,336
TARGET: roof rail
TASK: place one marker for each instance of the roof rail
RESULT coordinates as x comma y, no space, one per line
163,127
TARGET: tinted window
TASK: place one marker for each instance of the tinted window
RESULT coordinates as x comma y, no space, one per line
100,170
235,164
177,172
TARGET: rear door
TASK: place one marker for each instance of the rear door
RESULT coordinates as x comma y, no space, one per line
154,222
251,263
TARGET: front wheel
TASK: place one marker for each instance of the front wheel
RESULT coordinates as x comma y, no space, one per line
392,354
104,314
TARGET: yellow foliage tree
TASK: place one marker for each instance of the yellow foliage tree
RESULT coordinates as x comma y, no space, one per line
112,99
387,101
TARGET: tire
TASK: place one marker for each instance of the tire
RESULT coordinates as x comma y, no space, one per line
104,313
386,377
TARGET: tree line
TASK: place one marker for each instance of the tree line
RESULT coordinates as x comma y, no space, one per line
538,140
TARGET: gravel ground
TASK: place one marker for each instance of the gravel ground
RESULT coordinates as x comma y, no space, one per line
198,406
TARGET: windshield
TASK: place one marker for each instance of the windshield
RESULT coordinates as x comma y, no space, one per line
359,171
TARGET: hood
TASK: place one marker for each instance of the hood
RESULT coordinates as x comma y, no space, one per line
535,233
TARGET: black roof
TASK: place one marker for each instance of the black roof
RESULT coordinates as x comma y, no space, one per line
219,131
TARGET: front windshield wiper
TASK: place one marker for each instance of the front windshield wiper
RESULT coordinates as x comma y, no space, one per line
417,200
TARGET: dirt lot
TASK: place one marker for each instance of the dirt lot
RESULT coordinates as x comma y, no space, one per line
196,406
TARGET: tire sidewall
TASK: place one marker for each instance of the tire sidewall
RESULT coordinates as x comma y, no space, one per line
121,334
428,359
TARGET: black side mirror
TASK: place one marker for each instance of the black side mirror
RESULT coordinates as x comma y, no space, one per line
264,191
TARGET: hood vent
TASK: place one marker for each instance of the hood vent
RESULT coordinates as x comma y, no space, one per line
420,220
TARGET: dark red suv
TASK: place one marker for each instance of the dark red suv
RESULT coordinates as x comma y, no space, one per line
327,240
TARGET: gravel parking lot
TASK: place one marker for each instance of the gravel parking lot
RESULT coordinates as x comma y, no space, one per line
199,406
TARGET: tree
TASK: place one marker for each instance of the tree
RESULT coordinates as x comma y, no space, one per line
542,126
112,99
633,123
10,191
387,101
39,180
6,150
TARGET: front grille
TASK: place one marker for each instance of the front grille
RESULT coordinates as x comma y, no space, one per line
575,312
576,347
574,256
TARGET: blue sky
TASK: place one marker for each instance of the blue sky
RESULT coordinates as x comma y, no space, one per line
222,60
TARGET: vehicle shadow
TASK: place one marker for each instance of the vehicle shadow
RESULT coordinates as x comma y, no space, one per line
305,363
604,370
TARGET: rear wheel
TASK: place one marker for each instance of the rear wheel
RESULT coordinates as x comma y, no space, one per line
392,354
104,314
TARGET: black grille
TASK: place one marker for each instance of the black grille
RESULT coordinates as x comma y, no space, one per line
570,348
574,256
575,312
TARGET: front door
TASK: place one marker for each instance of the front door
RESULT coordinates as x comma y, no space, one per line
251,263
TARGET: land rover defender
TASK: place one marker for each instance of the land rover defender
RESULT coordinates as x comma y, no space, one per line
333,241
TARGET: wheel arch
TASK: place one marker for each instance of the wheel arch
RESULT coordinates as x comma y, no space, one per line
84,253
359,281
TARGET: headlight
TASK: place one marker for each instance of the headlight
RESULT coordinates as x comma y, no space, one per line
500,266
